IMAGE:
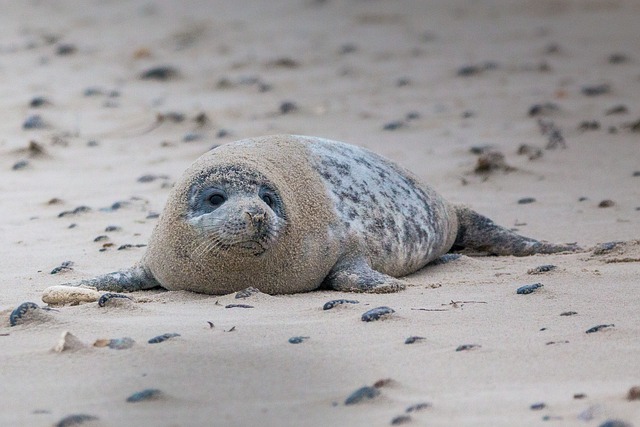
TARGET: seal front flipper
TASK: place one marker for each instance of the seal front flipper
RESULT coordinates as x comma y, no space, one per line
480,233
136,278
355,275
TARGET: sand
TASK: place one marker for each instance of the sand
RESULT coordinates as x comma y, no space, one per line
445,76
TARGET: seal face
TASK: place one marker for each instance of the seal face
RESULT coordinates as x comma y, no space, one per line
289,214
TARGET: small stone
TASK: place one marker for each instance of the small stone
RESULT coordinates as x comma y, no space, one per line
297,340
191,136
599,328
68,342
568,313
161,73
617,109
615,423
34,122
543,109
377,314
116,343
64,267
336,302
400,419
467,347
393,125
111,299
162,338
147,394
287,107
65,49
246,293
112,228
19,165
23,313
527,289
588,125
75,420
618,58
595,90
633,393
417,407
538,406
362,394
526,200
541,269
606,203
579,396
413,339
38,101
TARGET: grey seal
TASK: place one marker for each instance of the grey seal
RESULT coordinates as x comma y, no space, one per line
288,214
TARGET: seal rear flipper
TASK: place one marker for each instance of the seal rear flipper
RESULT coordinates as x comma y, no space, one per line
478,232
136,278
355,275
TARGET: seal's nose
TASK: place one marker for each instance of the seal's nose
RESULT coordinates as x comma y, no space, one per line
256,217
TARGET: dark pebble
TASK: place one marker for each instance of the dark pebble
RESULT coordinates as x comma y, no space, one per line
162,338
222,133
543,109
105,298
172,116
403,81
20,164
480,149
635,173
469,70
347,48
121,343
92,143
76,211
333,303
417,407
527,289
297,340
468,114
542,269
606,203
18,313
153,215
38,101
568,313
93,91
615,423
75,420
283,63
147,394
111,228
287,107
238,306
526,200
588,125
65,49
617,109
393,125
633,393
599,328
413,339
618,58
466,347
579,396
101,238
246,293
412,115
202,119
34,122
161,73
538,406
377,313
604,248
361,394
65,266
595,90
129,246
400,419
191,136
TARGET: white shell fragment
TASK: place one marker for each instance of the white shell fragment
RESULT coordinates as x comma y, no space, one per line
68,342
69,295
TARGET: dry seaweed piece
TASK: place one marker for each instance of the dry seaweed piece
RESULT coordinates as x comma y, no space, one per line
336,302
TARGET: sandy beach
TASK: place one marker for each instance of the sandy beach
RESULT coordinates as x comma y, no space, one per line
526,111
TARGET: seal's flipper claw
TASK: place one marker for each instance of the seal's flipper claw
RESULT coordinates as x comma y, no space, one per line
480,233
357,276
133,279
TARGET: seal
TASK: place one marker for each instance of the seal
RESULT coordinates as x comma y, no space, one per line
288,214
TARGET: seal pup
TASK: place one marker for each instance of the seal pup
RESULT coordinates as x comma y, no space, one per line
288,214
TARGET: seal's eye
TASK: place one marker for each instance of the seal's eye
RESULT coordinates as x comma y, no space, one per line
268,199
216,199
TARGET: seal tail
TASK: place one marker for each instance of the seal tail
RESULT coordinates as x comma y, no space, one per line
479,233
133,279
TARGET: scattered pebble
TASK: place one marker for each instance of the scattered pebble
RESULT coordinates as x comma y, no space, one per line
417,407
65,49
615,423
34,121
64,267
38,101
400,419
246,293
527,289
23,313
599,328
68,342
297,340
19,165
147,394
588,125
403,81
161,73
579,396
543,109
468,114
472,70
287,107
336,302
633,126
541,269
76,211
606,203
112,228
101,238
347,48
466,347
538,406
115,343
362,394
618,58
604,248
526,200
192,136
393,125
633,393
238,306
162,338
284,62
412,115
617,109
151,178
635,173
413,339
75,420
568,313
377,313
111,299
595,90
383,383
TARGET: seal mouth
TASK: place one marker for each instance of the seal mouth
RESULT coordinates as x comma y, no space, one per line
254,247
